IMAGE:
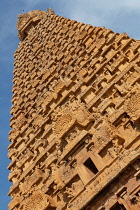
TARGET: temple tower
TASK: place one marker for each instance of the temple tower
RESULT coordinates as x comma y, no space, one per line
75,137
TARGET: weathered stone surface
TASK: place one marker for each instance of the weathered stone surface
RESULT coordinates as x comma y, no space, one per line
76,117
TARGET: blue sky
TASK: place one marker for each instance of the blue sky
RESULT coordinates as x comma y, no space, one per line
120,16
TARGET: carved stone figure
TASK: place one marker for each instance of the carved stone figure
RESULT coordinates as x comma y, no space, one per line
57,176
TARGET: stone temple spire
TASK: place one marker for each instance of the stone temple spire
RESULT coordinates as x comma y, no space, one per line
75,117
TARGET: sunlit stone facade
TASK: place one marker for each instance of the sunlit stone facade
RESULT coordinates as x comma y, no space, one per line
75,137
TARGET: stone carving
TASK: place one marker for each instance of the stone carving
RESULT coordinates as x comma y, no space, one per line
50,10
71,191
71,134
38,200
25,187
27,20
38,120
74,189
132,105
105,133
67,115
57,176
15,203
